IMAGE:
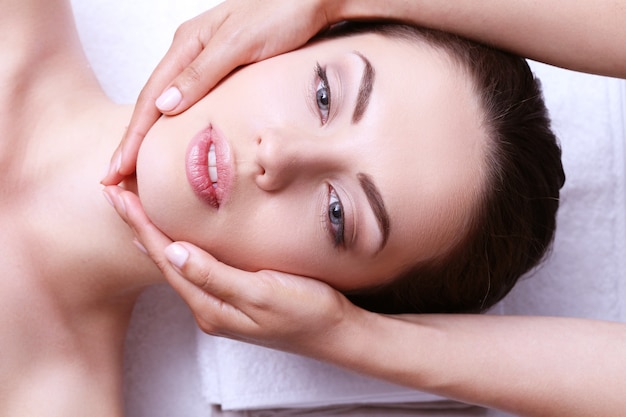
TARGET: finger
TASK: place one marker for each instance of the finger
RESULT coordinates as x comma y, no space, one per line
216,60
196,266
146,113
229,284
112,175
149,236
212,313
184,272
130,210
221,45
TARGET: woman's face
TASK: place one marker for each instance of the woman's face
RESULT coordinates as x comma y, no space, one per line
348,161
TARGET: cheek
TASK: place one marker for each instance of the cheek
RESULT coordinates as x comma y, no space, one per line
162,183
268,235
160,172
261,95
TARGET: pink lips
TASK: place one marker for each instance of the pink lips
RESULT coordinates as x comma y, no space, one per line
197,167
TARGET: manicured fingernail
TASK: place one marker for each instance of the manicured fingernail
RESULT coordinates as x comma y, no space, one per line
121,205
116,164
177,254
169,99
108,198
139,246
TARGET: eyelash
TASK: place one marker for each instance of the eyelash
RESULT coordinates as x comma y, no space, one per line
322,92
336,224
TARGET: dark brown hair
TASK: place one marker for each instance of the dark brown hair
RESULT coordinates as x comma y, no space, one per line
515,218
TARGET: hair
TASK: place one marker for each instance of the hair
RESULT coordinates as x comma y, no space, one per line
514,221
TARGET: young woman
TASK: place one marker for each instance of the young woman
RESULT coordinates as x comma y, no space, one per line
535,366
305,163
431,201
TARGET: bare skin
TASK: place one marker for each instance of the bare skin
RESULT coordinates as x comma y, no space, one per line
70,271
464,357
528,366
205,49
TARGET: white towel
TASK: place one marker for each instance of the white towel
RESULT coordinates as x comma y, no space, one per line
585,275
124,41
242,376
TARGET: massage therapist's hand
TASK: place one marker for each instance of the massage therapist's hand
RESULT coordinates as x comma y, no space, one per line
268,308
206,49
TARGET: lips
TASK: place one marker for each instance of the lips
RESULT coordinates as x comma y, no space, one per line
208,167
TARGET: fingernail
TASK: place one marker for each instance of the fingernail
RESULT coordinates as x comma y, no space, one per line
118,162
108,198
177,254
139,246
121,205
169,99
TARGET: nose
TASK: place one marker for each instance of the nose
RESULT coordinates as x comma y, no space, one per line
288,155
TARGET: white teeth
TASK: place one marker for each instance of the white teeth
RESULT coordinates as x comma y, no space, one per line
212,165
213,174
212,158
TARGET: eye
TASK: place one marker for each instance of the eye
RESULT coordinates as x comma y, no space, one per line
335,217
322,94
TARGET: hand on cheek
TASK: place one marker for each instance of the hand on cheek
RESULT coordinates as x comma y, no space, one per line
206,49
268,308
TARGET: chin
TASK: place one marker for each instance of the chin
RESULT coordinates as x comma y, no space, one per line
162,186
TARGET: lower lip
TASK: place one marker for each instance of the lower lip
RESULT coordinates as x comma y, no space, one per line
197,167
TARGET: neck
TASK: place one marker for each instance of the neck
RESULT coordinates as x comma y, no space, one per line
57,132
52,184
70,271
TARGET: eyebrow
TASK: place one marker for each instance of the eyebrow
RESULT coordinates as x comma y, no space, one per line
378,206
365,89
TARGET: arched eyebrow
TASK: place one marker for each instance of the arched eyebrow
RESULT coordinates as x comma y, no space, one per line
365,89
378,206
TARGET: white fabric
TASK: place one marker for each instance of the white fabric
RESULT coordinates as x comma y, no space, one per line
585,274
241,376
583,278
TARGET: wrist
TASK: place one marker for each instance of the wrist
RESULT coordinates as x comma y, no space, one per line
340,10
332,10
353,342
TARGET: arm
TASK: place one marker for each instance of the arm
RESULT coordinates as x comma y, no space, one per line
582,36
531,366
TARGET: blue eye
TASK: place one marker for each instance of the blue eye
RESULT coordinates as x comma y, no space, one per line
322,94
336,217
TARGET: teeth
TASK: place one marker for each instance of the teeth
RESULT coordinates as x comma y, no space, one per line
212,159
212,165
213,174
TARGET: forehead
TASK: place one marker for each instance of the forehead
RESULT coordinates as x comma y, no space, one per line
425,143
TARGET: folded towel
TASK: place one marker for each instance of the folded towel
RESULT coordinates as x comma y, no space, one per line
240,376
161,376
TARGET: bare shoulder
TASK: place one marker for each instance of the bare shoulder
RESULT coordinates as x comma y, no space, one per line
47,367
